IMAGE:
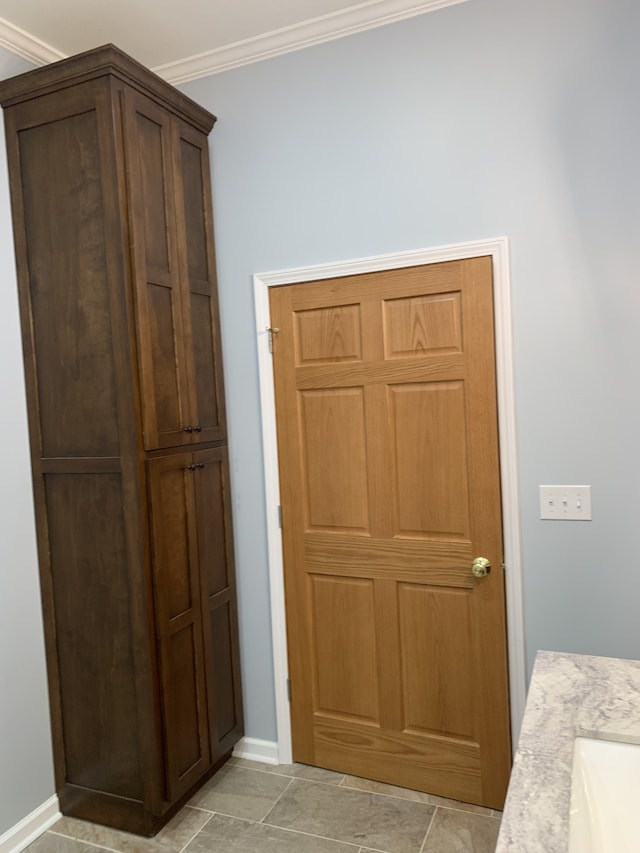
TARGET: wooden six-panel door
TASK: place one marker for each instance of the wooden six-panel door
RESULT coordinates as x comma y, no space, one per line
389,474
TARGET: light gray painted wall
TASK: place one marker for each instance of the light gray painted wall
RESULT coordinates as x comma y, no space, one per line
26,765
489,118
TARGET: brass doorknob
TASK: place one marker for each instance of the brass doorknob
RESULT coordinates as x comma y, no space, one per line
481,567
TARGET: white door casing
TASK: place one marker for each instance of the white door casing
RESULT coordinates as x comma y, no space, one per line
498,250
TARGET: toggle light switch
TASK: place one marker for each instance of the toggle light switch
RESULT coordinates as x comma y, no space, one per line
565,503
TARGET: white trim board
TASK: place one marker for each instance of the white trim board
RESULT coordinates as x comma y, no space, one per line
254,749
498,249
343,22
30,827
26,45
352,19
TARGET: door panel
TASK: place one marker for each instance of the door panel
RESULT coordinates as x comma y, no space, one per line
422,325
179,621
335,417
429,455
442,699
346,677
166,407
219,615
387,434
202,336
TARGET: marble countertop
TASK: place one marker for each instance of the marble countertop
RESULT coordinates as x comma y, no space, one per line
569,696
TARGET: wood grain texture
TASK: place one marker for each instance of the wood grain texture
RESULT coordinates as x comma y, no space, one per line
106,61
89,570
166,402
107,163
201,331
346,675
387,435
218,599
68,290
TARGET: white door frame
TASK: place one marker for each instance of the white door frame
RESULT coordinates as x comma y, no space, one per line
498,249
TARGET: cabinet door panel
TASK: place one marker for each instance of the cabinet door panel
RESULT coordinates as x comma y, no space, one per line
194,219
179,620
166,406
219,614
224,710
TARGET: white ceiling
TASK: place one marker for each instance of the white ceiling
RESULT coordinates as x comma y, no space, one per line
191,38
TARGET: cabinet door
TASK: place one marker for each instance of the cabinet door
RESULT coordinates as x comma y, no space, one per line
218,599
177,594
174,270
200,308
164,369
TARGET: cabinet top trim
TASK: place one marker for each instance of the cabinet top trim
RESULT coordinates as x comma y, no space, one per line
100,62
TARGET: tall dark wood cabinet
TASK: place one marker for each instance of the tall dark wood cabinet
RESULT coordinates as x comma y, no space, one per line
109,176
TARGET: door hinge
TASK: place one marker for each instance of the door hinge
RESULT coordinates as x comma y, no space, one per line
280,517
271,331
504,567
289,689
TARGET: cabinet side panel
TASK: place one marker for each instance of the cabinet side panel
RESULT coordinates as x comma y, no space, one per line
68,287
94,643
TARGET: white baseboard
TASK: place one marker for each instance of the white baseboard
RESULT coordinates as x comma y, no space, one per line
255,750
30,827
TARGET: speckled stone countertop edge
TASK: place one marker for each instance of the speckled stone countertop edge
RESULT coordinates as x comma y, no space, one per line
569,696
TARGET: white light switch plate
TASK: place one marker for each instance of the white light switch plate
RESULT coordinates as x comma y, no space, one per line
565,503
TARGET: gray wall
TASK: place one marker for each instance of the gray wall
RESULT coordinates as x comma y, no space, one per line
489,118
26,769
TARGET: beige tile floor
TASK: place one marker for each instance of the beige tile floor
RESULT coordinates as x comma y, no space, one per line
249,807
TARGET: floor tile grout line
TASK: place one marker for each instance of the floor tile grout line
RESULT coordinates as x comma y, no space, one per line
200,809
292,831
426,835
292,779
417,802
275,802
289,776
497,813
343,784
83,841
288,829
195,834
323,837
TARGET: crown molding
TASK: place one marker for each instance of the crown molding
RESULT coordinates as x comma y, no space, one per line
26,45
353,19
345,22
